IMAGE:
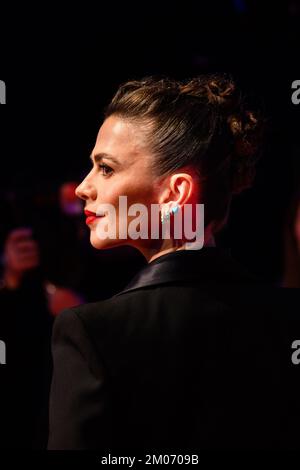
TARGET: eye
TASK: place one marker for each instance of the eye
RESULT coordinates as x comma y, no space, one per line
106,170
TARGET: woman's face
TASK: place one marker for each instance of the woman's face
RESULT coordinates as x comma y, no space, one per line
121,167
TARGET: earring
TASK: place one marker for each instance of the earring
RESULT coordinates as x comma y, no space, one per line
164,217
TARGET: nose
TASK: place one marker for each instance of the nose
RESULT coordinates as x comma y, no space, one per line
86,190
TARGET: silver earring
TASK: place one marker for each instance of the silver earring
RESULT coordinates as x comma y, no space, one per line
164,217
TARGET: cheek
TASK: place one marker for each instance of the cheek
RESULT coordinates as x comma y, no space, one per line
139,189
108,191
135,188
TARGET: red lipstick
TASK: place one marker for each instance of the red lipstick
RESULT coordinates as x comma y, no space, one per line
90,217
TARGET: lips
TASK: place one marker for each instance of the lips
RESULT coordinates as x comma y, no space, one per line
91,216
89,213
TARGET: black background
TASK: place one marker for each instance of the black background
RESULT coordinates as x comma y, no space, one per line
62,67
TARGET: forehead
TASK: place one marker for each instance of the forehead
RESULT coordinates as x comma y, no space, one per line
120,138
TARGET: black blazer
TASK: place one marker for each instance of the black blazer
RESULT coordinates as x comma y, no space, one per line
182,358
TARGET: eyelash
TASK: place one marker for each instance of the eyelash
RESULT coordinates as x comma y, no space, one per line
107,168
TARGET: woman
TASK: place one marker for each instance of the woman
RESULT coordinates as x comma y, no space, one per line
173,360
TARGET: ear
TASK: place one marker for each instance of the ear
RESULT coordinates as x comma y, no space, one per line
181,189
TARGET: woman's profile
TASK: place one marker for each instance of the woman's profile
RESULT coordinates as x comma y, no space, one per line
174,360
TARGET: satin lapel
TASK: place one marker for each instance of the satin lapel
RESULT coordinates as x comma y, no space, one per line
207,265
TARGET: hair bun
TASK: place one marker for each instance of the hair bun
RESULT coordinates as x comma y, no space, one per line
247,131
245,127
222,91
219,90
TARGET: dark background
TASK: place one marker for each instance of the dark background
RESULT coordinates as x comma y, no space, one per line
62,67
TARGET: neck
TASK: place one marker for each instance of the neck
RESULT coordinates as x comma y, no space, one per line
170,246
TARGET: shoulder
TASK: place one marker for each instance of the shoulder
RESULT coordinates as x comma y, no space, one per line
138,313
145,303
98,321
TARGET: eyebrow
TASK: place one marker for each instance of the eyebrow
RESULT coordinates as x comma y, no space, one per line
99,156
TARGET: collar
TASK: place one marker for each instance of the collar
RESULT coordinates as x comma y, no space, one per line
206,266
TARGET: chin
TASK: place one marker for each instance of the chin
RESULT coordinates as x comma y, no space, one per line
99,244
105,244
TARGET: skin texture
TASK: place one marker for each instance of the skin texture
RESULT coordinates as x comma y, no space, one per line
132,175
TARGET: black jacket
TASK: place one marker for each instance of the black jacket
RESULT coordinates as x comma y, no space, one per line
185,357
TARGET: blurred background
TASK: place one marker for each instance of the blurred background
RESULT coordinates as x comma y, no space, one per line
60,72
56,96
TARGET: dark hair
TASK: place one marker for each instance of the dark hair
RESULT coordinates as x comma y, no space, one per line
200,123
